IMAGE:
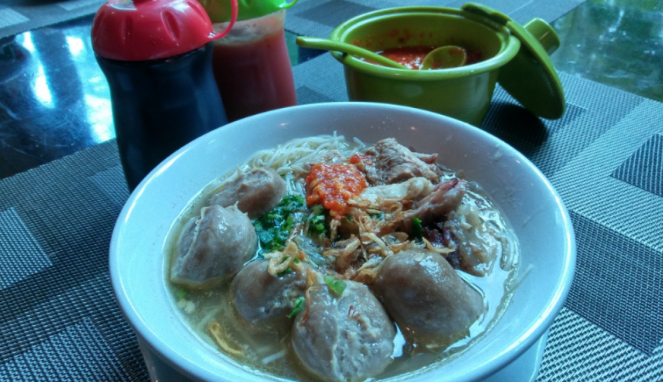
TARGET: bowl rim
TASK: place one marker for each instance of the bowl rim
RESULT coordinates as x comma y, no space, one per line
191,369
507,52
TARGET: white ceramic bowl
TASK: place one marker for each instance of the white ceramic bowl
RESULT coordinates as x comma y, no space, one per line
535,210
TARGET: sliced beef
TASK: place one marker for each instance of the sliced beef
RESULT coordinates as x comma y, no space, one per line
442,237
255,192
343,338
390,162
445,197
261,297
213,247
430,302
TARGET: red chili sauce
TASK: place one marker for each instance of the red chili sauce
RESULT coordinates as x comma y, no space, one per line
413,56
332,185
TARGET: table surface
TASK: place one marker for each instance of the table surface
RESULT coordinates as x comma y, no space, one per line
54,99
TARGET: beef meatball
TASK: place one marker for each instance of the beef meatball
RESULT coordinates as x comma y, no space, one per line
213,247
427,298
255,192
260,296
343,338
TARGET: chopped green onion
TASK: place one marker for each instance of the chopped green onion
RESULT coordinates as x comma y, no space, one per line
417,230
378,216
273,228
296,260
265,237
337,286
180,294
297,306
317,222
285,272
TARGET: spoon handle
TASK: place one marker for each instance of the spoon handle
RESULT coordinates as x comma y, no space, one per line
326,44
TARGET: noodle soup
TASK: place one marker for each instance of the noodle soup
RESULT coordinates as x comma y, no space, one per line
327,259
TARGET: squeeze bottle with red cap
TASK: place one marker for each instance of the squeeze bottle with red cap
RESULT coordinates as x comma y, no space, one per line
157,58
251,64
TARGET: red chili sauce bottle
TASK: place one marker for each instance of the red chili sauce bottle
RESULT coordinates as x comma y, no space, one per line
251,64
157,58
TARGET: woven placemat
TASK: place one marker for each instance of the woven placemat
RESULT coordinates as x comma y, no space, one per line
59,320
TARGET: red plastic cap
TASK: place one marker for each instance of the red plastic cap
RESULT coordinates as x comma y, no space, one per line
141,30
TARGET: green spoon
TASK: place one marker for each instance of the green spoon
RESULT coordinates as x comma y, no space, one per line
337,46
445,57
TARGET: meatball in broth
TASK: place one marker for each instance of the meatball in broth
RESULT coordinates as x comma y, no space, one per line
426,297
346,337
213,247
263,298
255,192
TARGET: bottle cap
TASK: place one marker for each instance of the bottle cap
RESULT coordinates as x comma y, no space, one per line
219,11
142,30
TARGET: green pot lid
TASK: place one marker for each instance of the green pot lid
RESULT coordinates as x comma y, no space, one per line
219,10
530,76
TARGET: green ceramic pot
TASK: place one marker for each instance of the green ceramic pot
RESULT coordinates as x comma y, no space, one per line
463,93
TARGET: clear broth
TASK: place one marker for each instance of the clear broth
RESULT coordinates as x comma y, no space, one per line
269,352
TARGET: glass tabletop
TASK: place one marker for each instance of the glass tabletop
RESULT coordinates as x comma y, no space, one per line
55,101
615,42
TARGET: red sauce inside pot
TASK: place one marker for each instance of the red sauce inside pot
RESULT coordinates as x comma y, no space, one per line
413,56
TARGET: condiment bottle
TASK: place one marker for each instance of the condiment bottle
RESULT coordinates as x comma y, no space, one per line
157,58
251,64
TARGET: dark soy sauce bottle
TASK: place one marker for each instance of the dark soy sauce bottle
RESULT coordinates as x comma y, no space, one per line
157,58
